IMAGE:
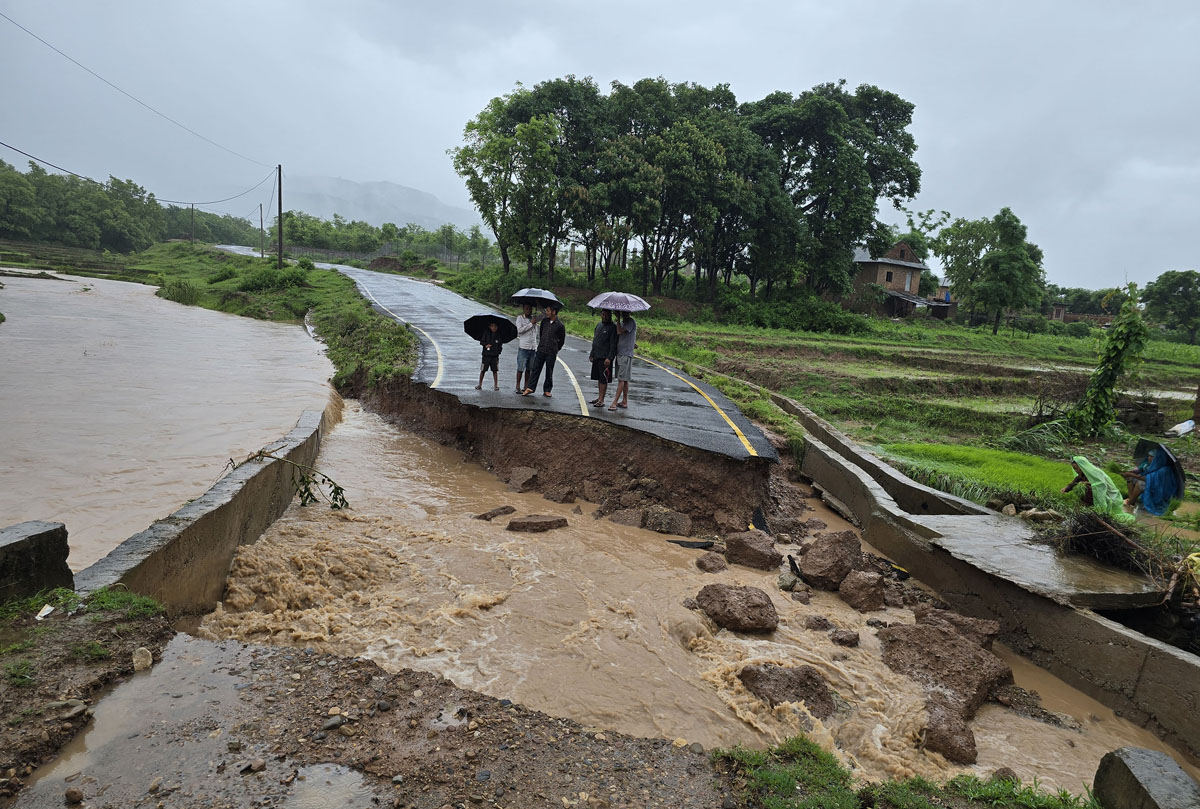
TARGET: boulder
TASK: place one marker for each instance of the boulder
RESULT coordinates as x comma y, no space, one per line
1009,510
560,494
979,631
593,492
862,590
788,581
742,609
665,521
536,523
498,511
523,478
1134,778
728,522
752,549
813,524
712,562
948,733
802,594
818,623
844,637
829,558
628,516
775,684
945,662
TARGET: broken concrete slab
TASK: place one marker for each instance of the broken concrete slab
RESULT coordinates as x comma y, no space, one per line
33,557
1135,778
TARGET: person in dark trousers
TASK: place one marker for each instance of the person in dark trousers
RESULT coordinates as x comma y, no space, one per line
491,356
551,336
604,351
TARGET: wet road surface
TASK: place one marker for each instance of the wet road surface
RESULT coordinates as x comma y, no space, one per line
662,401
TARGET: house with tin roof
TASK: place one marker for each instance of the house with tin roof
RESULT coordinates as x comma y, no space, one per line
898,272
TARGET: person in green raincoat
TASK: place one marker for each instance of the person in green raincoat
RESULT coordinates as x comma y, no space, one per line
1099,490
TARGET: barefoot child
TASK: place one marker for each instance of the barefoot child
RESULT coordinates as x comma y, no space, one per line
491,356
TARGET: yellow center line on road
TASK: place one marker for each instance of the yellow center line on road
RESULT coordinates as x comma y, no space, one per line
707,398
582,402
438,376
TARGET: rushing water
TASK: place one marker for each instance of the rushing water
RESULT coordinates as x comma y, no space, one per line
588,622
116,406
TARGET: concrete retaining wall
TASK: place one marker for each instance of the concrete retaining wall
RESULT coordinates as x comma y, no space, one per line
33,557
183,560
1151,683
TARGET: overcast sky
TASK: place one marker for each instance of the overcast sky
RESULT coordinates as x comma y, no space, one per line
1083,117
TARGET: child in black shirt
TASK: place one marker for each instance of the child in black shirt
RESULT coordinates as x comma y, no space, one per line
491,356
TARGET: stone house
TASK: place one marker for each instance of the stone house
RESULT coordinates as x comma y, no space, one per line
898,272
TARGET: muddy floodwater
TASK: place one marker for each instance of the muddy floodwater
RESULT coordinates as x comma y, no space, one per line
588,622
116,407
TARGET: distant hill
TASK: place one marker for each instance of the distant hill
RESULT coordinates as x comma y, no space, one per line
373,202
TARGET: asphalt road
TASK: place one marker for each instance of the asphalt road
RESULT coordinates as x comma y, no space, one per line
663,401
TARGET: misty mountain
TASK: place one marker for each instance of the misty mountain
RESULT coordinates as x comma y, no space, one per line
373,202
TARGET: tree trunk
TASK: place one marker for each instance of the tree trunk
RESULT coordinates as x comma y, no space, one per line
996,325
553,260
1196,407
505,262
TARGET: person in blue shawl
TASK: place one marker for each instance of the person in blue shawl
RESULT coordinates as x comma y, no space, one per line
1160,484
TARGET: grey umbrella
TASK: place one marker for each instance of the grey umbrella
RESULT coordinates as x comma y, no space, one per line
618,302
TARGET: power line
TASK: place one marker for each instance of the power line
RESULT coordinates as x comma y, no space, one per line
158,199
131,96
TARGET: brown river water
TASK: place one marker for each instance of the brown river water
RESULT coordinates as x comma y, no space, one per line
116,406
588,623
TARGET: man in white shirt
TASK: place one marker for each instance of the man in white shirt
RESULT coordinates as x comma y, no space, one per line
527,338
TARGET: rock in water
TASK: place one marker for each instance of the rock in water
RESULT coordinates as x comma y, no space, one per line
535,523
844,637
499,511
829,559
712,562
775,684
979,631
862,590
142,659
665,521
752,549
523,478
944,662
1133,778
947,733
742,609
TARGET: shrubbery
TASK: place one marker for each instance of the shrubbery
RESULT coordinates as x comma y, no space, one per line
268,278
180,291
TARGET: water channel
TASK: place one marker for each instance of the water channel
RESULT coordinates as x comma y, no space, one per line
588,622
118,406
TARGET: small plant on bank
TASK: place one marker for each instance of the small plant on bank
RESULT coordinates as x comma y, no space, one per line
181,291
310,483
90,652
19,674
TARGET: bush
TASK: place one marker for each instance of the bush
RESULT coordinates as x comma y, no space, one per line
306,264
265,279
1056,328
223,274
180,291
492,285
799,310
1079,329
1033,324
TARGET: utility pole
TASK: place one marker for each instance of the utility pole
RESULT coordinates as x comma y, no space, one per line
280,179
262,235
193,223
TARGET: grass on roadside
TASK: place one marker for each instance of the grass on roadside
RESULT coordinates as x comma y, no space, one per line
798,774
359,339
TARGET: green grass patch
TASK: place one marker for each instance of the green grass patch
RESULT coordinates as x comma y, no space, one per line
359,339
991,472
19,673
90,652
104,600
798,774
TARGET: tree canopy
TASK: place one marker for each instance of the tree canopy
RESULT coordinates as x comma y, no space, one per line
118,215
1173,299
777,190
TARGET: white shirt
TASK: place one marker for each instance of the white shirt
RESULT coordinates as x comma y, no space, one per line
527,337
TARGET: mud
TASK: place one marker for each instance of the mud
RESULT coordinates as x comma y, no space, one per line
47,663
593,460
411,580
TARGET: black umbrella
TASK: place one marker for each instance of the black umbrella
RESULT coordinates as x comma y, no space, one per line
537,297
479,326
1145,447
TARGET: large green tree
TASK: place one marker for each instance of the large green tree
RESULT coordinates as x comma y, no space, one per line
1011,275
1173,299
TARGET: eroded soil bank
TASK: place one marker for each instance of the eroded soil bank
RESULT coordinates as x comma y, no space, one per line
588,622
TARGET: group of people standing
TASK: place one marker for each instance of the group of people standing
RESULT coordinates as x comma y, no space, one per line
539,339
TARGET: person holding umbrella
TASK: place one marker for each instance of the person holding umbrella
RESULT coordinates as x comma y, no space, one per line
526,343
624,303
551,337
604,351
492,331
